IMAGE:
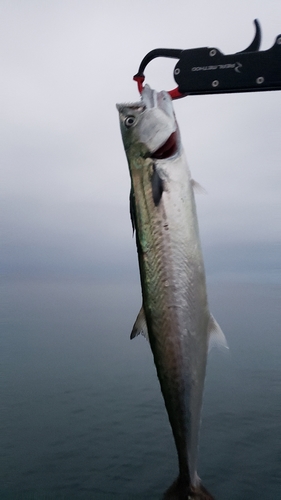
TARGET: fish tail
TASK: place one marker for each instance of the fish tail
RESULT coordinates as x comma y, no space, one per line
180,491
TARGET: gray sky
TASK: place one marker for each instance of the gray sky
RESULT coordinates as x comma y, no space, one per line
64,176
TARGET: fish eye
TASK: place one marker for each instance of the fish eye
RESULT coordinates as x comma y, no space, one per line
129,121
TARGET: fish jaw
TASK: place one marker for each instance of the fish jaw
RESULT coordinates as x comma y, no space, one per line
154,121
158,122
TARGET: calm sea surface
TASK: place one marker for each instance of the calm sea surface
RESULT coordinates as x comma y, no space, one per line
82,416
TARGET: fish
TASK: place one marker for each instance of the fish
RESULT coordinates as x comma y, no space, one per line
174,316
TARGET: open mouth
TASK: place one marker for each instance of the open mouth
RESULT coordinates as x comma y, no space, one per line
168,149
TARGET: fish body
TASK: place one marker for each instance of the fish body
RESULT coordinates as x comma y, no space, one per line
175,314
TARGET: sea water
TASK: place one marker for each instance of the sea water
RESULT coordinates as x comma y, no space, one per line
82,415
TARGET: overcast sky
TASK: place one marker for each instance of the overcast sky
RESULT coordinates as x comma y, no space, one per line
64,176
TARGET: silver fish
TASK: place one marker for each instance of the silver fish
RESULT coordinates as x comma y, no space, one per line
175,315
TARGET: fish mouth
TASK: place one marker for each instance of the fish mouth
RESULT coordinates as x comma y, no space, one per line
169,148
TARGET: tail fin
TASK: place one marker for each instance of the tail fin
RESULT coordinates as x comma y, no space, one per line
179,491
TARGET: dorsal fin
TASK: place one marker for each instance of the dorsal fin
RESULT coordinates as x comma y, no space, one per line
215,334
197,188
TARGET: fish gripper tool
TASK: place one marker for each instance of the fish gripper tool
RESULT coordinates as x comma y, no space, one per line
206,70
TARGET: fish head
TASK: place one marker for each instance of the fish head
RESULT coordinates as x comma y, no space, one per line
149,127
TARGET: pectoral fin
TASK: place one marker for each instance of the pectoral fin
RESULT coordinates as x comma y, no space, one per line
215,334
157,187
140,326
132,210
